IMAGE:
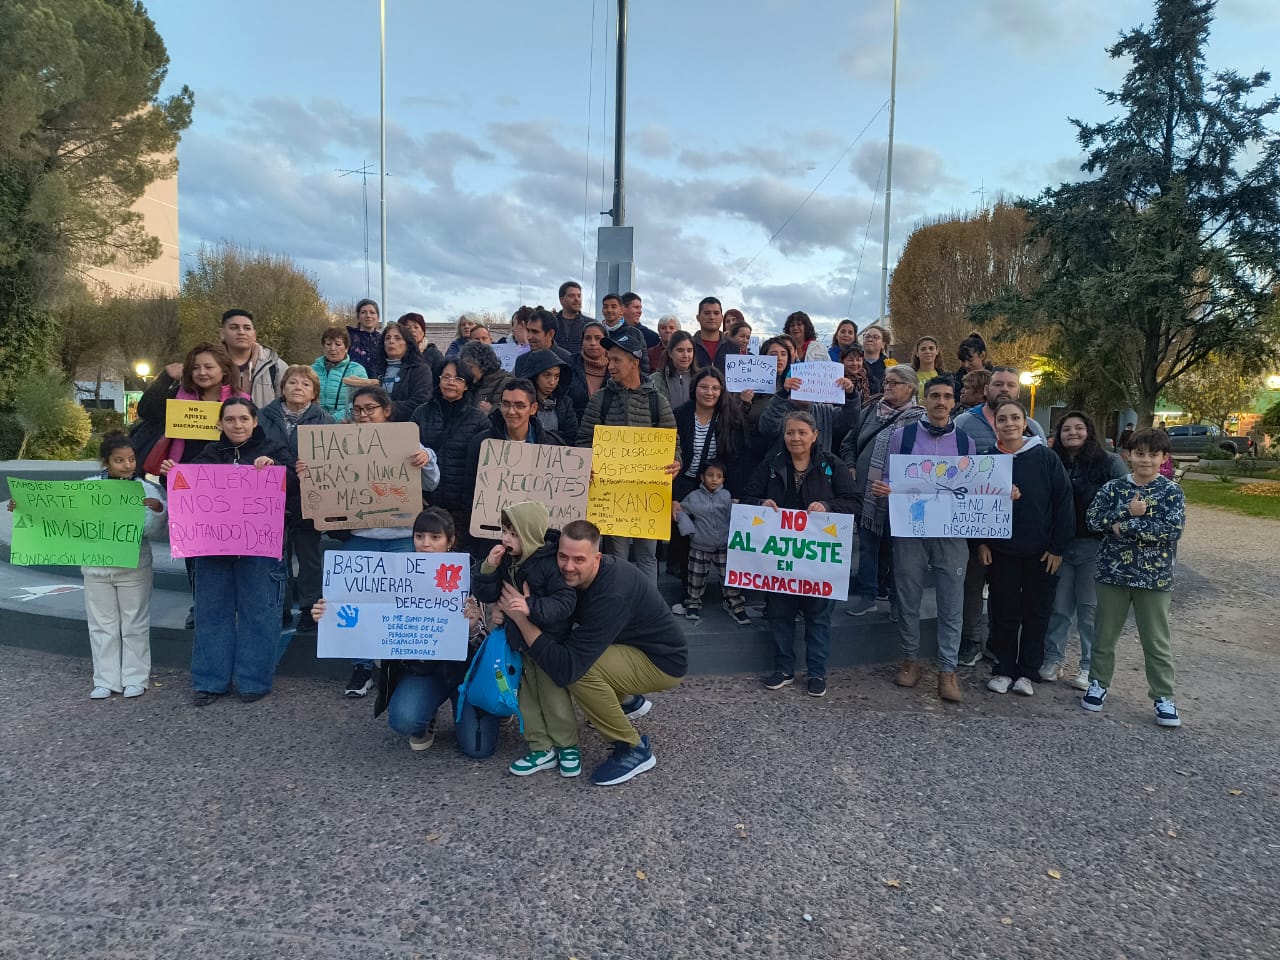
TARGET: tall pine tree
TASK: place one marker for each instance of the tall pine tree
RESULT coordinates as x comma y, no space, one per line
1171,250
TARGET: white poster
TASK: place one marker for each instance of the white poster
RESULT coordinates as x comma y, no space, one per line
508,353
394,606
951,496
755,343
748,372
818,381
790,551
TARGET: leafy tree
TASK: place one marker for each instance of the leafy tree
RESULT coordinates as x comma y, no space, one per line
288,312
54,426
952,264
1168,254
1215,389
83,132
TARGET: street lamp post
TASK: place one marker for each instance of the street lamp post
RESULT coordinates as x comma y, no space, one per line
1031,378
143,370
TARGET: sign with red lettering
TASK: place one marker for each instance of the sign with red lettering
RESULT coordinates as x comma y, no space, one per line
226,510
357,475
790,551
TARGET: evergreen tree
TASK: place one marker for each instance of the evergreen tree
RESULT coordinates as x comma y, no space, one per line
1170,251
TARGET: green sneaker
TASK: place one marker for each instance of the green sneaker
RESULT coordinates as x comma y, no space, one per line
535,761
570,762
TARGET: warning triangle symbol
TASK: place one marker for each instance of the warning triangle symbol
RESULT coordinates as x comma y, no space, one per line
180,482
21,521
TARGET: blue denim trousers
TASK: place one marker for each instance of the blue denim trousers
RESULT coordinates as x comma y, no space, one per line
415,701
875,564
238,605
1075,595
816,612
361,544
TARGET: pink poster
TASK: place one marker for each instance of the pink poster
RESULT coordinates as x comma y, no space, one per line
223,510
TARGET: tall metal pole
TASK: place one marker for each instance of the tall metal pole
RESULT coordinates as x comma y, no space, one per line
888,176
620,117
382,154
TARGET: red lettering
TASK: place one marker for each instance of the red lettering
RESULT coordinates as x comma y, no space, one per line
794,519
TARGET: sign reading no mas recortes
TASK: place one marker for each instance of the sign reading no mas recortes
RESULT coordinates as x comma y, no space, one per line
790,551
92,523
395,606
510,472
357,475
630,493
226,510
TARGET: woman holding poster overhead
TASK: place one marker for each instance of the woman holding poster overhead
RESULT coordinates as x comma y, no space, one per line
801,476
1022,572
239,599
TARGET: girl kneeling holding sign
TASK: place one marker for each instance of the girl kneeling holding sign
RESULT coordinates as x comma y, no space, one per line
239,599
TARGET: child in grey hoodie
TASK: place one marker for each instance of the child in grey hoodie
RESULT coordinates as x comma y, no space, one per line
703,516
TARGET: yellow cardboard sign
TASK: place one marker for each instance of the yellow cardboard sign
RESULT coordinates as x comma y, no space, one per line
630,493
192,419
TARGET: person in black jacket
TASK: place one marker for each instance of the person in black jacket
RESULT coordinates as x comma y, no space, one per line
624,642
553,379
1023,570
446,424
405,376
801,476
239,599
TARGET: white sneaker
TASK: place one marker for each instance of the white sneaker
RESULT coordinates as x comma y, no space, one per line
425,741
1049,672
134,690
1023,686
678,609
1167,713
999,684
1081,680
99,693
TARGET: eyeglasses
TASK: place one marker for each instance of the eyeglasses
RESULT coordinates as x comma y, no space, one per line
507,405
448,378
366,410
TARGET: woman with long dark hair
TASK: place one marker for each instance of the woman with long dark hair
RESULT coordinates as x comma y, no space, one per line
924,360
675,380
845,335
405,376
1089,465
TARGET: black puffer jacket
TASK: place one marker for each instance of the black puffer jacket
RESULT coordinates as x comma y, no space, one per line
447,428
412,389
827,482
560,404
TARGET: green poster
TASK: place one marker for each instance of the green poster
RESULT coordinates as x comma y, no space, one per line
91,523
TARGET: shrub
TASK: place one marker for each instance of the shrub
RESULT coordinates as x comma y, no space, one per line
54,426
10,436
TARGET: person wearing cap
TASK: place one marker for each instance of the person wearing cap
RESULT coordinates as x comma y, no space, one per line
614,318
628,399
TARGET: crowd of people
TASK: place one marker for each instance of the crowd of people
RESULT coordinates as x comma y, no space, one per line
1093,532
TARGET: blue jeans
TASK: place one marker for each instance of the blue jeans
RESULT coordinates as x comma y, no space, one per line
361,544
415,701
874,564
1075,595
782,610
238,605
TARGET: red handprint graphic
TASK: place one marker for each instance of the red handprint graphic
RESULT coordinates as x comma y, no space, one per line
448,576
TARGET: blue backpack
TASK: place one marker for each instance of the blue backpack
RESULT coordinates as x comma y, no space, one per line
493,679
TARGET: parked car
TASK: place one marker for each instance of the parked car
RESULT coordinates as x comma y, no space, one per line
1192,439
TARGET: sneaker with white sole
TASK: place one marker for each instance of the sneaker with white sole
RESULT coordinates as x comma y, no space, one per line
99,693
1167,713
1024,687
737,616
860,606
636,706
361,682
425,741
1081,680
624,763
1095,697
999,684
134,690
570,761
1049,672
777,680
534,761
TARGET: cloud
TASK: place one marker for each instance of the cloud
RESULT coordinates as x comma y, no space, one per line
916,170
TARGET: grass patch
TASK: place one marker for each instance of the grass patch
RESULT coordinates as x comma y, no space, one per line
1212,493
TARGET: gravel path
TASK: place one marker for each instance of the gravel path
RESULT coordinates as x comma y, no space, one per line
874,823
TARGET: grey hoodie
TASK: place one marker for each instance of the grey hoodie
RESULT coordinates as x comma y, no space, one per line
704,518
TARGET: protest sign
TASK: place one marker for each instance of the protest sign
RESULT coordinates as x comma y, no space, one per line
508,353
630,493
951,496
510,472
819,381
192,419
747,372
226,510
357,475
91,523
790,551
395,606
755,343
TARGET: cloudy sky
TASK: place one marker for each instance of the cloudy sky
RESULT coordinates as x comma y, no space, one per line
500,120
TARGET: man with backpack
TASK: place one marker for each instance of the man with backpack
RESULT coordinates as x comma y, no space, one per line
628,399
624,643
914,557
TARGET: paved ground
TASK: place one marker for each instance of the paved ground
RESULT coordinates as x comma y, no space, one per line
872,824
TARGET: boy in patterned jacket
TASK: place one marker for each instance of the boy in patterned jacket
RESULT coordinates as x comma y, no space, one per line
1140,517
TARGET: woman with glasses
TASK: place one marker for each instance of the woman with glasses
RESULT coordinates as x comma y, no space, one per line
487,376
446,424
866,449
875,357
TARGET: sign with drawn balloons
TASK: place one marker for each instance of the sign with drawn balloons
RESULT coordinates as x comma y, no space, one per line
951,496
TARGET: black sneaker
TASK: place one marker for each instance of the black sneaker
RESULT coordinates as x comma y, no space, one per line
191,620
817,687
1095,697
361,682
777,680
625,762
636,706
882,597
286,618
202,698
738,616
